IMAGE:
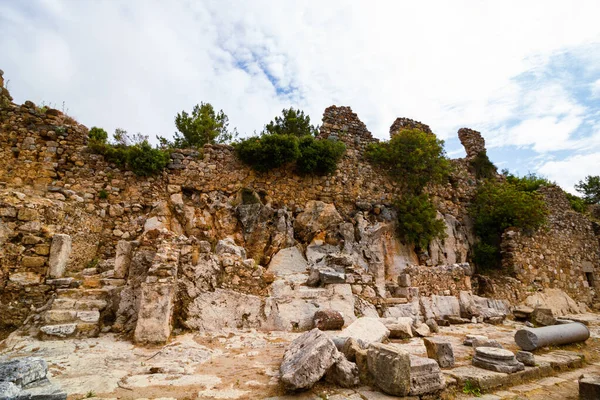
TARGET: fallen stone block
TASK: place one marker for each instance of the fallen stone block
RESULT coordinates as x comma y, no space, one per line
422,330
469,339
589,387
425,376
365,331
350,348
543,317
433,326
526,358
495,359
23,371
307,359
440,351
478,342
456,320
61,331
328,320
400,328
522,312
9,390
42,390
343,373
390,368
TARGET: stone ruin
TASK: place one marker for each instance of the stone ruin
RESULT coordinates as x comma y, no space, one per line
211,245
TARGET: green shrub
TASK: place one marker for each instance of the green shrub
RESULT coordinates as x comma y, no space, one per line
268,151
590,189
577,203
417,222
98,135
144,160
103,194
319,156
497,207
487,255
482,166
528,183
203,126
415,158
292,122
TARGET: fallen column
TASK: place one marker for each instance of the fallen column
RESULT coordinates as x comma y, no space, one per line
533,338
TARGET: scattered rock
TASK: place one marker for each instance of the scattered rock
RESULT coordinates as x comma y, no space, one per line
328,320
400,328
343,373
543,317
494,359
349,348
522,313
390,368
425,376
433,325
526,358
440,351
422,330
366,330
485,342
307,359
23,371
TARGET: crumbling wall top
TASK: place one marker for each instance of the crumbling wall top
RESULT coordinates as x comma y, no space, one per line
472,141
407,123
340,123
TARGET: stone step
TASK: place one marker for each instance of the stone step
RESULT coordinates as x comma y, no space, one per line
67,316
63,303
65,331
96,294
112,282
395,300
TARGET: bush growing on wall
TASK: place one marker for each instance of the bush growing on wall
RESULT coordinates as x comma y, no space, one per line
482,166
415,158
498,206
319,156
292,122
134,153
417,222
268,151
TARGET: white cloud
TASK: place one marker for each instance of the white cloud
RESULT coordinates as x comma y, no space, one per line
134,64
571,170
595,88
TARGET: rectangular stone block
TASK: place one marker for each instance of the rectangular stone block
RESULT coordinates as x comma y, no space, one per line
156,309
589,387
60,250
122,259
390,368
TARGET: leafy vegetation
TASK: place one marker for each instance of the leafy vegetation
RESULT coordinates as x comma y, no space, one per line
482,166
290,140
590,189
498,206
417,222
204,125
415,158
471,389
132,152
292,122
577,203
528,183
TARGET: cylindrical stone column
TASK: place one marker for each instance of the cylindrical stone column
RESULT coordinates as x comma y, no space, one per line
533,338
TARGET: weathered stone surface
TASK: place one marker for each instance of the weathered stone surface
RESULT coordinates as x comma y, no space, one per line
60,250
589,387
400,328
439,307
433,325
288,262
343,373
156,309
9,390
543,317
62,331
43,390
440,351
365,331
123,258
307,359
349,348
526,358
328,320
470,338
522,312
23,371
425,376
495,359
533,338
556,300
390,368
485,342
422,330
317,216
228,246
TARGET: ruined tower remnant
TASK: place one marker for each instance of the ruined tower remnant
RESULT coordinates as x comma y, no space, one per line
407,123
472,141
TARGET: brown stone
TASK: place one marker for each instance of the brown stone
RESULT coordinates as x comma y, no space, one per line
328,320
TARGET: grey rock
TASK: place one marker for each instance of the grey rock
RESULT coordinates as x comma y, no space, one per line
543,316
433,325
589,387
307,359
425,376
480,342
400,328
404,280
439,307
60,250
329,275
23,371
343,373
9,390
440,351
390,368
288,262
43,390
349,348
228,246
122,258
498,360
526,358
422,330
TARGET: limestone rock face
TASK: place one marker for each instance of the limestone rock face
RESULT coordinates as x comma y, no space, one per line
317,216
390,368
365,331
290,264
60,250
307,359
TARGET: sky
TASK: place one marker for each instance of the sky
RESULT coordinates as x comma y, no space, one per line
526,74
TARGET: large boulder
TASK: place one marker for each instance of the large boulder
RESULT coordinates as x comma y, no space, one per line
555,299
317,216
439,307
390,368
307,359
365,331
